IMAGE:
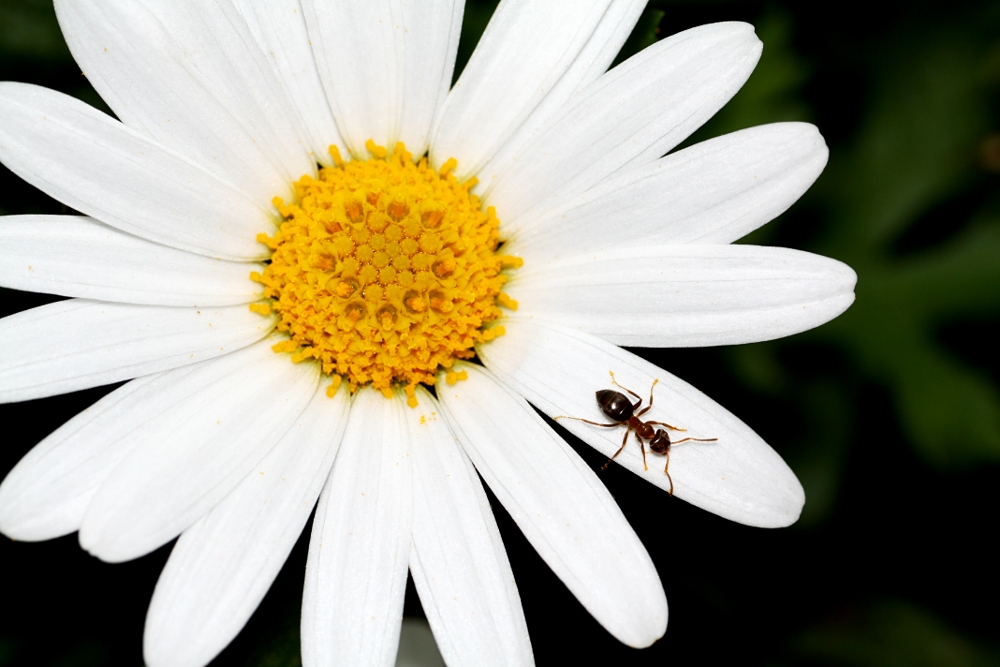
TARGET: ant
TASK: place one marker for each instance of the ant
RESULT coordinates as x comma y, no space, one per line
617,407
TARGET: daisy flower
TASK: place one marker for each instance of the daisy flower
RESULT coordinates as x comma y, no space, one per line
296,225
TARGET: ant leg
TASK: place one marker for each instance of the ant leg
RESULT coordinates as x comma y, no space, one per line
615,382
624,442
677,442
655,380
586,421
643,448
646,409
672,428
665,472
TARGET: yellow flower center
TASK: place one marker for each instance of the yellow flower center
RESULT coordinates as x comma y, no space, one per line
385,271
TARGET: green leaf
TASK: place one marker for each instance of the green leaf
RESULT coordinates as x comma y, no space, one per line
892,634
918,147
757,366
919,142
949,410
279,648
30,30
417,647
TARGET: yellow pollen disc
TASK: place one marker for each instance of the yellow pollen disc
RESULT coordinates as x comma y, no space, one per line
385,271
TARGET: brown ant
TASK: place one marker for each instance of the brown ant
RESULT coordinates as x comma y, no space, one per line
622,411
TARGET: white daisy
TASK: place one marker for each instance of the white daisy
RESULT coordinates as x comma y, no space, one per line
225,106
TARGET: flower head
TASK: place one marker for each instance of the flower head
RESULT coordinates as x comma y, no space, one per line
297,226
385,271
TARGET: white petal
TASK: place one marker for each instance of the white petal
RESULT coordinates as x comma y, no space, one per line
524,52
593,60
430,42
189,74
191,455
687,295
559,505
713,192
222,566
459,563
48,491
279,27
93,163
358,49
352,605
558,369
386,65
632,115
76,344
76,256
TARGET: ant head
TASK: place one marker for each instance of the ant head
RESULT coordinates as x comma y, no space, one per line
615,405
660,442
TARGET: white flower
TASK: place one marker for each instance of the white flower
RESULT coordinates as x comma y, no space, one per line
224,105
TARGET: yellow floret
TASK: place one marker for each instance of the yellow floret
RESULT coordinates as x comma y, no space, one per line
385,270
261,308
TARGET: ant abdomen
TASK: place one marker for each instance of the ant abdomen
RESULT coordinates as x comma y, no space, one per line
615,405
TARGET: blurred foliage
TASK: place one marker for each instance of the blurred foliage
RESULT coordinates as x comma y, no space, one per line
28,28
86,653
416,645
279,649
918,148
892,634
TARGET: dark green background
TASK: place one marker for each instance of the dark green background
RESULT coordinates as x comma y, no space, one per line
890,415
